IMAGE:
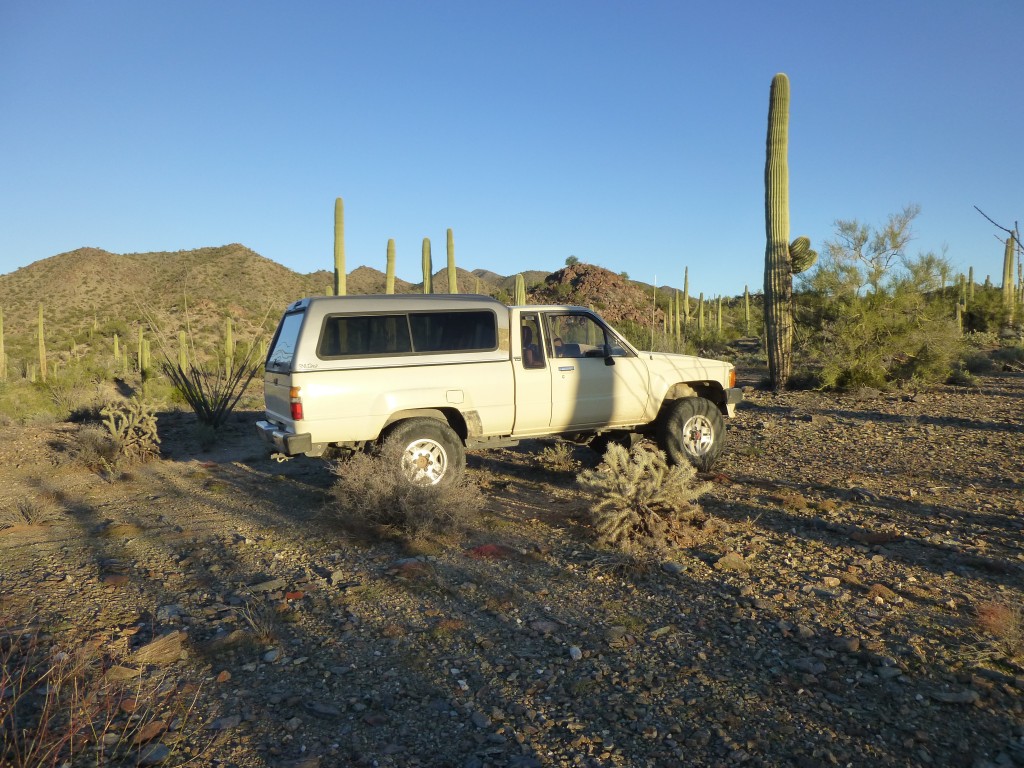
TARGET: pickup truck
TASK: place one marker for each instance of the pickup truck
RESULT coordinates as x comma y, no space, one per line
443,374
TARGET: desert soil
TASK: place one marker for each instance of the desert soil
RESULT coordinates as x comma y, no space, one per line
858,608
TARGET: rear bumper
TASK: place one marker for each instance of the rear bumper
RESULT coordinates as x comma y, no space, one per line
287,443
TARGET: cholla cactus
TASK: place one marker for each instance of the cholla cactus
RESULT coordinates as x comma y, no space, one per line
640,500
132,425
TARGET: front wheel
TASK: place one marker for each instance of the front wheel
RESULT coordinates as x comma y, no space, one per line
429,452
692,429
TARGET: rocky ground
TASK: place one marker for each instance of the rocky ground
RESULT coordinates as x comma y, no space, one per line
862,606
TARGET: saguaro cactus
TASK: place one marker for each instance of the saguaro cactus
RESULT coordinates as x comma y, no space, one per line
686,295
520,297
700,315
182,350
42,346
229,347
3,355
389,275
428,267
782,259
746,309
340,287
453,278
1009,281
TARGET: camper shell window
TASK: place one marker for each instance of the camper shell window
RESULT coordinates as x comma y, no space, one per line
407,333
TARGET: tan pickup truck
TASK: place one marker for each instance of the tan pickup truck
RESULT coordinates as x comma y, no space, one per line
442,374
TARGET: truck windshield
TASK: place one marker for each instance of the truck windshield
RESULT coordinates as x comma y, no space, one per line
285,340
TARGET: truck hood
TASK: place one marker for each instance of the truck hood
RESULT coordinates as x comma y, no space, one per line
687,367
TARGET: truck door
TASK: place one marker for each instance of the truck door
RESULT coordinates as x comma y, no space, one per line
532,376
595,381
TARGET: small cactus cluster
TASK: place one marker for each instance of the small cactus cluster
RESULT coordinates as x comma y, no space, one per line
640,501
132,426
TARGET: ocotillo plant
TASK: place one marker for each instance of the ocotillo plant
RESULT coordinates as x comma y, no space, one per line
428,267
453,280
520,298
42,346
1009,281
781,258
340,287
389,275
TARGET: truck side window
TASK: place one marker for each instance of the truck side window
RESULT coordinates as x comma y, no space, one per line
533,356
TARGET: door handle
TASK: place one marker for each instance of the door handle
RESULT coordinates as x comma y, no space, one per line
567,367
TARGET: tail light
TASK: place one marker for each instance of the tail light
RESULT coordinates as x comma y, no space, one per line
296,402
732,378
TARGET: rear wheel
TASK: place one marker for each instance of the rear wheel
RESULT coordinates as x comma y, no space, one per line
429,452
692,429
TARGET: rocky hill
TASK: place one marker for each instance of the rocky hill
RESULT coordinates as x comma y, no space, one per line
87,295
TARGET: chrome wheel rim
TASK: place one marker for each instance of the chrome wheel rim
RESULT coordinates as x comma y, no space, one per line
424,461
698,435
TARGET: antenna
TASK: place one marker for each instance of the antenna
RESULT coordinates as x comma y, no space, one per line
654,310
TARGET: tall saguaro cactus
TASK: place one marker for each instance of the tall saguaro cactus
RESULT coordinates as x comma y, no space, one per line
3,354
686,295
340,287
389,275
782,259
42,346
520,298
1009,281
428,267
453,278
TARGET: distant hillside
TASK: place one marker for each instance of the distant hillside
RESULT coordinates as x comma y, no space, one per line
89,294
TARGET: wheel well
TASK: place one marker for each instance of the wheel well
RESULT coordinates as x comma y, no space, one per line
709,390
451,416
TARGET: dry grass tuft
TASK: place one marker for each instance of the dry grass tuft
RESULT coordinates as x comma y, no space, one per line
1002,625
32,510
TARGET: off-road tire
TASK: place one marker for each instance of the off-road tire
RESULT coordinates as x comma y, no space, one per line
429,451
692,429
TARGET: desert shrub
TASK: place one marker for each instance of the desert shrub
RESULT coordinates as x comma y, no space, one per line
1011,356
894,335
640,502
976,362
372,491
95,449
1002,629
557,458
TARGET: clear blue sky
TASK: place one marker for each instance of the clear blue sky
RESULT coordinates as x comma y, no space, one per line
628,134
